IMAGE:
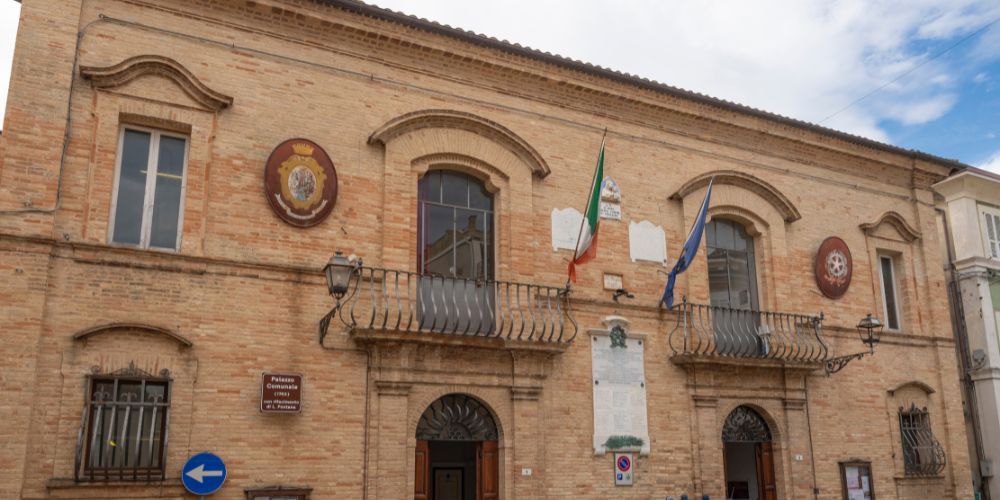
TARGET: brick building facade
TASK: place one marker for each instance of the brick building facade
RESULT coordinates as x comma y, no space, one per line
99,295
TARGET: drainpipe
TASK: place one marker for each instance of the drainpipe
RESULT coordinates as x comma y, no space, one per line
812,454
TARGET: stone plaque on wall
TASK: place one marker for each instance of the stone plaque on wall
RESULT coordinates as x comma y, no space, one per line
565,228
611,200
619,381
647,242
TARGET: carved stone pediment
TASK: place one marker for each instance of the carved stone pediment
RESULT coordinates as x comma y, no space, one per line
894,223
130,69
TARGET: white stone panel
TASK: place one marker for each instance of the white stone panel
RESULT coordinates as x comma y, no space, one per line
565,228
647,242
619,381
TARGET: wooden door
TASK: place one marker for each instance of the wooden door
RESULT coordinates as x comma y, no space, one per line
765,472
487,470
421,472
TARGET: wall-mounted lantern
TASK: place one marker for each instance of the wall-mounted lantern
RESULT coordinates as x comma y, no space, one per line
338,273
870,330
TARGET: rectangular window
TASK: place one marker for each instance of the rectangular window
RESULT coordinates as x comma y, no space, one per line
148,201
890,295
922,454
856,480
124,433
991,232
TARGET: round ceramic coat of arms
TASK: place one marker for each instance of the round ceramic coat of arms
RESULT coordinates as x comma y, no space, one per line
300,182
833,267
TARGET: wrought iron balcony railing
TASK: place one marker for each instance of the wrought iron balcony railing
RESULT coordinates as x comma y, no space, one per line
703,330
405,302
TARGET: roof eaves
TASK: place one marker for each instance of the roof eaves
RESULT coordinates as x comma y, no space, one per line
376,12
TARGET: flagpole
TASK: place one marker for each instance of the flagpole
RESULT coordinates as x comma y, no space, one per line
583,220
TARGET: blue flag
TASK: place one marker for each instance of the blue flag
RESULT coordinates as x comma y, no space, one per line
690,248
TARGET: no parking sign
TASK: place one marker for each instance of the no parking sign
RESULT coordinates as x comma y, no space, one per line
624,471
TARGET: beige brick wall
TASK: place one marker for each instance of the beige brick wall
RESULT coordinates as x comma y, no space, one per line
245,288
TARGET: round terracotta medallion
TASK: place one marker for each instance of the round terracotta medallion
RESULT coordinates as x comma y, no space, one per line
300,182
833,267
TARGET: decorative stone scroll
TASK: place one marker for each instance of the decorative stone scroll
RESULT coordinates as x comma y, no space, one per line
619,380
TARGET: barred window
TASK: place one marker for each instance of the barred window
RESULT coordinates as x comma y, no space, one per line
124,431
922,454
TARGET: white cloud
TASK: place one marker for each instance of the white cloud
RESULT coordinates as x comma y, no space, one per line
918,112
802,58
992,163
981,77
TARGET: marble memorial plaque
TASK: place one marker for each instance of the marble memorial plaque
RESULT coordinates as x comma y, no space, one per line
611,200
565,228
647,242
611,211
619,387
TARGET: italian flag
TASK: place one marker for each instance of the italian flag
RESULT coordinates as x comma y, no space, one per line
586,243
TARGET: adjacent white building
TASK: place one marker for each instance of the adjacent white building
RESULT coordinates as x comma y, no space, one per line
971,204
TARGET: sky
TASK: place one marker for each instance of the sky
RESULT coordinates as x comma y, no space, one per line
920,74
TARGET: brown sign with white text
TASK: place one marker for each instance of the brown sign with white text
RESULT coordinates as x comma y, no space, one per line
281,393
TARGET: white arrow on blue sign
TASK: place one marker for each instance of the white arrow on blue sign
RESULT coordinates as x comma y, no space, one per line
203,474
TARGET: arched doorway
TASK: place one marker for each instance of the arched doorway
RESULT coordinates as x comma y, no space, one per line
749,456
457,456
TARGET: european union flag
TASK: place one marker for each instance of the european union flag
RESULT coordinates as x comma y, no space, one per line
690,248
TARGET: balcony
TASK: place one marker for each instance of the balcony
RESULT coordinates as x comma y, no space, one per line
409,306
725,334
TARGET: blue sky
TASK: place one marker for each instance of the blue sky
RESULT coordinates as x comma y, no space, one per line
806,59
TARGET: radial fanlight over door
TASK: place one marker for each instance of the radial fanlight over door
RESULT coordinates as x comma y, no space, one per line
457,417
744,425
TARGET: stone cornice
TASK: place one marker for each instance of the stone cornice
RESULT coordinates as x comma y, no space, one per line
132,327
376,30
443,118
600,75
746,181
116,75
908,232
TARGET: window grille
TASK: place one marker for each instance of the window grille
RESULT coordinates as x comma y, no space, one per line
922,454
123,433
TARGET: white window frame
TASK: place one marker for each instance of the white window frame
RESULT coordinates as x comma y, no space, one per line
895,292
152,165
986,212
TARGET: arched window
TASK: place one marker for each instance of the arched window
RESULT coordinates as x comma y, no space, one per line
732,275
455,215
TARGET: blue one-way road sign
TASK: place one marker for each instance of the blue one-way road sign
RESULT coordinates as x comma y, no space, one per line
203,474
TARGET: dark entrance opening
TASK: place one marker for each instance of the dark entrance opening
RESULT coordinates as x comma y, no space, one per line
457,454
748,456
